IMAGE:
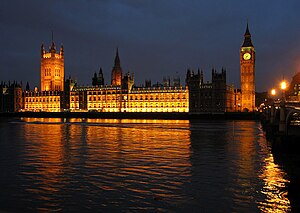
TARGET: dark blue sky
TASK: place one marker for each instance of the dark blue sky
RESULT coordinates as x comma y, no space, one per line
155,38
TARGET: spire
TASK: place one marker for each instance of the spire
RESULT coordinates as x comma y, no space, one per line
247,38
27,87
117,60
116,73
62,50
52,48
247,33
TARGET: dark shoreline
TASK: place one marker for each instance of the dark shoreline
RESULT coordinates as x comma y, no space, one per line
138,115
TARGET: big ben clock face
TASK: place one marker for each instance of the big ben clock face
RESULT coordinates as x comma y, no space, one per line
247,56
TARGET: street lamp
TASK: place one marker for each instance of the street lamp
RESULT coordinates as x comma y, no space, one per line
272,96
283,86
273,92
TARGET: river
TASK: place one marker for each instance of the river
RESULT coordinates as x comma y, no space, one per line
88,165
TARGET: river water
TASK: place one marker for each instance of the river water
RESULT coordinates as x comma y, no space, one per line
88,165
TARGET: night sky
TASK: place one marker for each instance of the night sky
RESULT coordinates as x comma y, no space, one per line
155,38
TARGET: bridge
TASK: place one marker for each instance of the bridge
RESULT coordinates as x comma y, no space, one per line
281,122
282,118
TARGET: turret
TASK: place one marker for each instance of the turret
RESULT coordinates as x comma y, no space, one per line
188,76
42,50
52,48
27,88
61,52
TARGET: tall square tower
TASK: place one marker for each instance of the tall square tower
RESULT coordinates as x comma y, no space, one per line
52,69
247,72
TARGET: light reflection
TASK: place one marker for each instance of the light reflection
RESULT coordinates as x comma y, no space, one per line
149,161
138,157
275,182
243,152
274,188
43,158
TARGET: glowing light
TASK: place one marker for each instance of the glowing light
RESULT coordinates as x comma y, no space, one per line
141,100
273,92
283,85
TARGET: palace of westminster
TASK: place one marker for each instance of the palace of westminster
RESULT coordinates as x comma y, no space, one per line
58,94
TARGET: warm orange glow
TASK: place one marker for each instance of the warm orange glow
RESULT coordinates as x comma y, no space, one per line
48,154
247,71
283,85
52,72
274,180
42,101
273,92
57,147
113,99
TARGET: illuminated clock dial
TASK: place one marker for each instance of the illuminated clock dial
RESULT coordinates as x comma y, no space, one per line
247,56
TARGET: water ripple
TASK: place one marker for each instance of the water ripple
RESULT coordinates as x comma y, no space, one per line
87,165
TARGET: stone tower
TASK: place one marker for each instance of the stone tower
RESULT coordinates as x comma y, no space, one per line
98,80
116,73
247,72
52,68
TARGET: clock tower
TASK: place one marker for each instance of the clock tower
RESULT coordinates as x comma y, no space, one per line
247,72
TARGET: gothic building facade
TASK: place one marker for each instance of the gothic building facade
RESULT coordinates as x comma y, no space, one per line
50,97
206,97
122,95
11,97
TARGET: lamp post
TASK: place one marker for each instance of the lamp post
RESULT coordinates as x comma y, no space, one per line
272,113
282,118
272,96
273,92
283,87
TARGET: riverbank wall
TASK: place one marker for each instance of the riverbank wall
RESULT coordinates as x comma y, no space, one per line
138,115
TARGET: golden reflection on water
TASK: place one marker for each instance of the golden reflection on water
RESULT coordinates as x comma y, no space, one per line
274,183
138,157
43,153
142,159
246,150
274,187
272,196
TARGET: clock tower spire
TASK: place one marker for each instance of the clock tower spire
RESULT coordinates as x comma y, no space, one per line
247,73
247,38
